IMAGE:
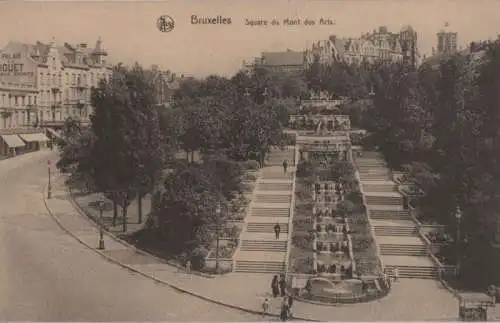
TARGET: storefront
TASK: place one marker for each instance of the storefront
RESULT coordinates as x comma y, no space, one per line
11,146
34,141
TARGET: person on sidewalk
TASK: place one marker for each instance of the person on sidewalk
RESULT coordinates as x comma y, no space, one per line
285,310
277,230
290,301
285,166
275,286
282,284
395,273
188,266
265,306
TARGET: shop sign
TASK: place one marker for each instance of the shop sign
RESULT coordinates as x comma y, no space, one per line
16,70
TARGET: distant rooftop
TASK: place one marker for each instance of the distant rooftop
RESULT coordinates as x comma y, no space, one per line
282,58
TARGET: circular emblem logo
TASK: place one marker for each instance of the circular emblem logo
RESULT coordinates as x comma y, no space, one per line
165,24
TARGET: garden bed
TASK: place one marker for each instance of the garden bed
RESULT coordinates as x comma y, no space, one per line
301,253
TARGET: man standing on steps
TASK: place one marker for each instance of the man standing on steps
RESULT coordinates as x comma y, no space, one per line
285,166
277,230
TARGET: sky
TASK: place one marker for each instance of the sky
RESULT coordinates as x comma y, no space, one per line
129,32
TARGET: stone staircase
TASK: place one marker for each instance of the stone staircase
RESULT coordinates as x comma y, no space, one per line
259,250
395,231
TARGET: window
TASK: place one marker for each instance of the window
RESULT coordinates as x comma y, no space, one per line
67,78
34,100
41,79
73,78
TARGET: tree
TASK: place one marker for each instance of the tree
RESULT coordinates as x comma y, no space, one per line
127,152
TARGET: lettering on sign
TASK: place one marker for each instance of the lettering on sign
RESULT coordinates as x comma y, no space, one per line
16,71
11,56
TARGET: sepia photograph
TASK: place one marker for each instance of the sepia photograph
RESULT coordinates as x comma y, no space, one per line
245,161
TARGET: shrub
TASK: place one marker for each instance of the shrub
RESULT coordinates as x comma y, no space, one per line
302,241
345,207
251,164
355,197
305,169
197,257
361,243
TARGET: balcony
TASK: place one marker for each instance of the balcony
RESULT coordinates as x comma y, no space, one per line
55,89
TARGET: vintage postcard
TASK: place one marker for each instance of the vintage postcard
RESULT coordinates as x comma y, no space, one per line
238,161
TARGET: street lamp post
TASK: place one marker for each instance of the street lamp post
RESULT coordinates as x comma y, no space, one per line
49,186
101,224
458,216
217,214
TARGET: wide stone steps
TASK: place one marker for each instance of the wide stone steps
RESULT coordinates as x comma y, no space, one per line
389,214
263,245
274,186
372,163
270,212
264,267
421,272
395,231
276,175
266,227
403,250
373,176
367,188
383,200
262,198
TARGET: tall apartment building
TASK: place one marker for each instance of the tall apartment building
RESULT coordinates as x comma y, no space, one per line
446,41
44,84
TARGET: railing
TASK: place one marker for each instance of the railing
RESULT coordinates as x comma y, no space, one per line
441,267
291,213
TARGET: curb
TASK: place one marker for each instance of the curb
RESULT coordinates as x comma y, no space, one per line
88,218
156,279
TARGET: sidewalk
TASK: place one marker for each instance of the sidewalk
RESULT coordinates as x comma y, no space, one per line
246,291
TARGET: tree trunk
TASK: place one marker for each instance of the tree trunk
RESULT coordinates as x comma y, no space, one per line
115,213
187,156
139,208
124,213
192,156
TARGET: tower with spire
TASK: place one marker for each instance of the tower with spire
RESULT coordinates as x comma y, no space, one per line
99,54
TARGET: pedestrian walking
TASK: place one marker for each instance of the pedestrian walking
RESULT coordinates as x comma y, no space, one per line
188,266
395,273
275,286
265,306
284,311
282,284
285,166
290,301
277,230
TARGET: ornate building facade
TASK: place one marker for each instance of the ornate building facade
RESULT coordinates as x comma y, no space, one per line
379,45
44,84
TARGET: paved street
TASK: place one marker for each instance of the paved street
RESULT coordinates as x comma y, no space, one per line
46,275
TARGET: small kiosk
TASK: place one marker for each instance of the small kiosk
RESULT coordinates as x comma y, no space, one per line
476,307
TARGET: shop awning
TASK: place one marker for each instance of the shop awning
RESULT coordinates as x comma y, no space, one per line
54,133
33,137
13,141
